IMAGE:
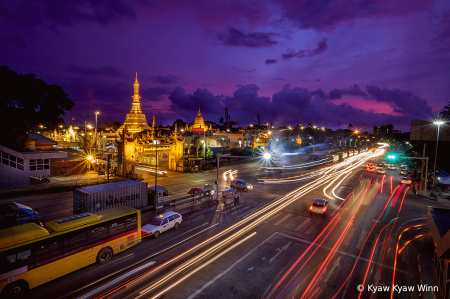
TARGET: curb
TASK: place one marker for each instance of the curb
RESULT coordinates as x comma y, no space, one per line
420,275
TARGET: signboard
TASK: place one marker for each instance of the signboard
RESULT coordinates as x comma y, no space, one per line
426,131
160,148
198,129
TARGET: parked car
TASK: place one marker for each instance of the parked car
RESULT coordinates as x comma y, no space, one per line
241,185
405,180
381,170
319,206
162,223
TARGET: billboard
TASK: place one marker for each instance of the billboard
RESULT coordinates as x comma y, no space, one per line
425,130
198,129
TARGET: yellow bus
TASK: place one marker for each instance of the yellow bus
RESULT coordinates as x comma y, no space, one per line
31,255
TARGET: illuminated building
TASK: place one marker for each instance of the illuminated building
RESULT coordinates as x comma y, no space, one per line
135,120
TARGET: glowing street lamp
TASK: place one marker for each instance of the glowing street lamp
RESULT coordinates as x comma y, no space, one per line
266,156
313,141
95,135
438,123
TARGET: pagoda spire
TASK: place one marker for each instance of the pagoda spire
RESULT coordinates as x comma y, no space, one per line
136,106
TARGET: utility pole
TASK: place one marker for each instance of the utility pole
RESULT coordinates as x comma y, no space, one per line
156,173
421,172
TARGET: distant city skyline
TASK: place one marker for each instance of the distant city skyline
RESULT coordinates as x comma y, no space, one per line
383,62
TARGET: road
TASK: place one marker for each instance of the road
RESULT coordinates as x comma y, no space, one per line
271,247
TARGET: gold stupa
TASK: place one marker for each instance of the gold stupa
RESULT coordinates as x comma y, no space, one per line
135,120
199,123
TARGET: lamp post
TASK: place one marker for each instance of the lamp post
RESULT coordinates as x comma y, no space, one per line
313,141
95,134
155,142
438,123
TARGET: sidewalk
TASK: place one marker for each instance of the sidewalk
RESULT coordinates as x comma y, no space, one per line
426,271
442,197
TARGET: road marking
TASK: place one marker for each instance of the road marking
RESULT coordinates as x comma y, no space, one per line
282,219
361,239
335,265
302,224
312,228
280,250
349,236
293,222
273,217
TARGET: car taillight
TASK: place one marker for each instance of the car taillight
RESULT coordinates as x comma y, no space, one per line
324,208
310,207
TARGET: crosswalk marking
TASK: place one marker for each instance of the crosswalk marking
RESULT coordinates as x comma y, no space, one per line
362,238
273,217
282,219
314,226
291,224
302,224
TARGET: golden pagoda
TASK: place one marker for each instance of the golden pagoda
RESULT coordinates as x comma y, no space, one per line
199,123
135,120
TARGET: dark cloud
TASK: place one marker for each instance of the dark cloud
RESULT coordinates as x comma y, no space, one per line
317,80
322,46
249,71
169,79
403,102
234,37
270,61
28,14
108,71
443,35
329,14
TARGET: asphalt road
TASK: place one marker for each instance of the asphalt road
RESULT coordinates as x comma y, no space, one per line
270,246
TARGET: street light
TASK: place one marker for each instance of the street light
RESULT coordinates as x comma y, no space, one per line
438,123
96,113
266,156
313,141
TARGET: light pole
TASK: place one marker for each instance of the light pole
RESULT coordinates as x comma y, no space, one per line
438,123
95,134
310,137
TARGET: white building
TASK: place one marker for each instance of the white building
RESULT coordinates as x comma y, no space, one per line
23,169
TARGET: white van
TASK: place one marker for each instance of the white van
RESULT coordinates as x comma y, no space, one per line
162,223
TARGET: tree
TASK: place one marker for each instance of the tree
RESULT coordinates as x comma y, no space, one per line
445,113
180,124
116,125
27,104
221,120
106,125
209,154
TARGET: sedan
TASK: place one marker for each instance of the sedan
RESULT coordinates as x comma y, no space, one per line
403,172
241,185
405,180
381,170
371,169
319,206
391,167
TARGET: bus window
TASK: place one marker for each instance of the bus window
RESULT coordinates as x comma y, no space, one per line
130,223
116,227
48,252
74,242
97,234
16,258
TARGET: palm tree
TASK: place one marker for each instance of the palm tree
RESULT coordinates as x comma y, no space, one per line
221,120
445,113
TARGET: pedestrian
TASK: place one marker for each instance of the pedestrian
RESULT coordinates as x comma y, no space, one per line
236,198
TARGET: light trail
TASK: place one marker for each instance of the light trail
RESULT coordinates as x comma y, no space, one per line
253,220
396,254
360,252
199,268
334,220
409,241
391,184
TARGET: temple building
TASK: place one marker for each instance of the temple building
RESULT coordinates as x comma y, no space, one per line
199,123
135,120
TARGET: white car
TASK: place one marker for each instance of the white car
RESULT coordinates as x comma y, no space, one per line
163,222
403,172
381,170
319,206
405,180
391,167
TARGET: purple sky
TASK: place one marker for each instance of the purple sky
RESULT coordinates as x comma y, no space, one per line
362,62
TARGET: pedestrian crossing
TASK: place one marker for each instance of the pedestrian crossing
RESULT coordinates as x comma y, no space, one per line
297,223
